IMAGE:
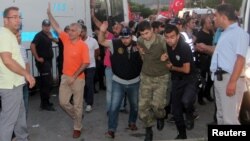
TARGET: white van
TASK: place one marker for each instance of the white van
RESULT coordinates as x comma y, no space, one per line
34,12
198,11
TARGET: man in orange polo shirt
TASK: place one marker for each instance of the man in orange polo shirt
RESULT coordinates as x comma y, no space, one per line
76,59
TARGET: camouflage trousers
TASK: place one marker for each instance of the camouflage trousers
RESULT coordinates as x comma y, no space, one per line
152,98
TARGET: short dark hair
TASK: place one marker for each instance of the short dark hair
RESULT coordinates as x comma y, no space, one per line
228,10
131,24
7,10
187,20
144,25
84,28
66,28
156,24
203,21
170,28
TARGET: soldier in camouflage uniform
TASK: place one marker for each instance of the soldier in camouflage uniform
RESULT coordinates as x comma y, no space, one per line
154,79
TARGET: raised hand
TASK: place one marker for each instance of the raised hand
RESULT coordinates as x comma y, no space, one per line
49,9
104,26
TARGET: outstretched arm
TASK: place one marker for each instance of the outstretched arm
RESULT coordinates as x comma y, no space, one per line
201,47
95,20
54,23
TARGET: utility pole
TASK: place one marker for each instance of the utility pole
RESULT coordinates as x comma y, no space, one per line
158,7
188,3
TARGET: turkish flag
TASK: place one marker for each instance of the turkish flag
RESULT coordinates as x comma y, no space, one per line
177,5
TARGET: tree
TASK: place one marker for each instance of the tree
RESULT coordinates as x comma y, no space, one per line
215,3
139,8
165,8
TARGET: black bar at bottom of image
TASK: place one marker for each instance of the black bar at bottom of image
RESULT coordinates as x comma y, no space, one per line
239,132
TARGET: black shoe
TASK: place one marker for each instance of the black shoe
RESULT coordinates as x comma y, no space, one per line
179,136
95,91
51,104
209,98
103,88
201,102
160,124
190,124
149,134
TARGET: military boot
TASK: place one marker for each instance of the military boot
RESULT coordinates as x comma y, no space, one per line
149,134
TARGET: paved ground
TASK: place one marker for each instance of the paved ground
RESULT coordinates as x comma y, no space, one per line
57,126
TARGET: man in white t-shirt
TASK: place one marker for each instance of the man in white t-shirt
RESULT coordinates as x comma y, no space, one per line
90,70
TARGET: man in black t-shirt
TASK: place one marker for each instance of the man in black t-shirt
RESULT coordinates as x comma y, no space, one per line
205,36
41,48
183,91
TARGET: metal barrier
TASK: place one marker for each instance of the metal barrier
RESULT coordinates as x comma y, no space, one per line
35,72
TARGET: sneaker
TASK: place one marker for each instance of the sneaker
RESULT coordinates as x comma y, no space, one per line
132,127
88,108
110,134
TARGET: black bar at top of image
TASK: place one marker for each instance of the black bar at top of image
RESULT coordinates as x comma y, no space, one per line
239,132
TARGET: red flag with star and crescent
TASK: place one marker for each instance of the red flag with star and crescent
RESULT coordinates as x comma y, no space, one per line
177,5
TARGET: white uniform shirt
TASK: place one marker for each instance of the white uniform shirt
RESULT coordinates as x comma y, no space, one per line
92,45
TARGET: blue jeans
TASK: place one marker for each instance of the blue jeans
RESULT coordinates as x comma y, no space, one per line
118,93
108,75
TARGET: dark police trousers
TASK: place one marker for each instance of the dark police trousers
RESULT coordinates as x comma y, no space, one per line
183,95
45,81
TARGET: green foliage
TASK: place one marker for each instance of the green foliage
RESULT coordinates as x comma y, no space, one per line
215,3
212,3
165,8
139,8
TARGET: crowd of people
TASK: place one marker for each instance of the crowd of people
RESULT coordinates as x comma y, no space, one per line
160,66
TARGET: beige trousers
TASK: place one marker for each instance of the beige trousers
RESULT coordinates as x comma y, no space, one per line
65,93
